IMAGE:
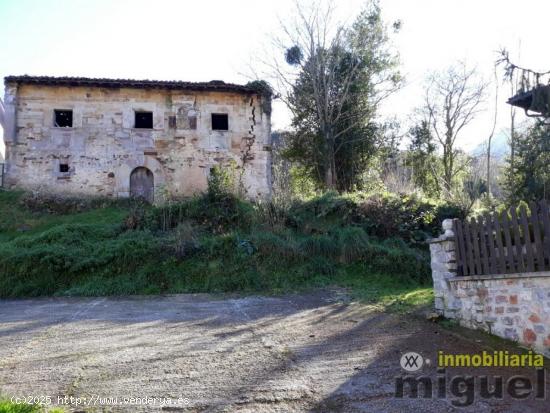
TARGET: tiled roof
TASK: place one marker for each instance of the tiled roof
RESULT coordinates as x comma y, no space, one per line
214,85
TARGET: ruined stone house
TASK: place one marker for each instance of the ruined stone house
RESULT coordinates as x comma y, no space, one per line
121,138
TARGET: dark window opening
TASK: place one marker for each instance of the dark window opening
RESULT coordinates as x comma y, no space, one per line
63,167
220,121
192,121
144,120
172,122
63,118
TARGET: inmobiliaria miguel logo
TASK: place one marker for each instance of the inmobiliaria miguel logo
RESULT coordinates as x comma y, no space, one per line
464,389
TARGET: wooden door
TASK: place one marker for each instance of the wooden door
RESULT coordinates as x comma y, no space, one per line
142,184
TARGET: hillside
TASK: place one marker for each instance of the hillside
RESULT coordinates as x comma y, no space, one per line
500,147
212,243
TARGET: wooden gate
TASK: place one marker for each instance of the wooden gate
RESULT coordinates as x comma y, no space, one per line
142,184
504,243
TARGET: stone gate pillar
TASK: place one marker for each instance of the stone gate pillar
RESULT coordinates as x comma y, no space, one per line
443,263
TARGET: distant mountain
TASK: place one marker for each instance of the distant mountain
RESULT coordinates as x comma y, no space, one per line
499,147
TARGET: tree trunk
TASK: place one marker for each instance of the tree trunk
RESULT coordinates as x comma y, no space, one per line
491,138
447,169
512,137
330,176
489,166
330,162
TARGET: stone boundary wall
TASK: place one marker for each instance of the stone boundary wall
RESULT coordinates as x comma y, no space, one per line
512,306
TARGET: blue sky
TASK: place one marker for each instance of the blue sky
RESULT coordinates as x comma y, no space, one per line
210,39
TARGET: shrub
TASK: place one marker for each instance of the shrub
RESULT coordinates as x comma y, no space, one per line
183,240
218,210
449,211
320,214
283,246
50,261
396,216
395,258
217,215
408,217
273,214
353,243
63,204
319,265
381,215
137,217
319,245
221,182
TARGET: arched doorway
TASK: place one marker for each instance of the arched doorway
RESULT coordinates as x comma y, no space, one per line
142,184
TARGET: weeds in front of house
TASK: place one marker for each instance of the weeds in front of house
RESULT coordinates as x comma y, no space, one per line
218,243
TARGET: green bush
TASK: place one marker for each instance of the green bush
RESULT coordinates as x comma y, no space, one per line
8,407
183,241
320,213
390,216
218,210
214,214
394,257
381,215
353,243
61,204
283,246
49,261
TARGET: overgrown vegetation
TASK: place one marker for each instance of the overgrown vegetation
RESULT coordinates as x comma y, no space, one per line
217,242
333,74
7,406
527,174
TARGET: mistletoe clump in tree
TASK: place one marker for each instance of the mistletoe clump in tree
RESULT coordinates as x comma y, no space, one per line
340,76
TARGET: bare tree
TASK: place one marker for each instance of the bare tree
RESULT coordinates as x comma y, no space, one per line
453,99
489,140
325,60
512,131
521,80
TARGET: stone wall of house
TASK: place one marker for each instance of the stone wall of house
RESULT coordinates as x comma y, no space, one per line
103,147
512,306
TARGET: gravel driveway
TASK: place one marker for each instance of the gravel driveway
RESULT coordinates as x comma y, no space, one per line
318,352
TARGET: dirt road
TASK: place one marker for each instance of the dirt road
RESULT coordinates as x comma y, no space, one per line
318,352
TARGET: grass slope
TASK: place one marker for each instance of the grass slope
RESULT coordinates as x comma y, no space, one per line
206,244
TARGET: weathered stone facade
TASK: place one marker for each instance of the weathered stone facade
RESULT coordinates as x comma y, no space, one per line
97,155
513,306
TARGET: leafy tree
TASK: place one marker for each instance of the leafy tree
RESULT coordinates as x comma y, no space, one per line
526,174
528,177
340,81
423,160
